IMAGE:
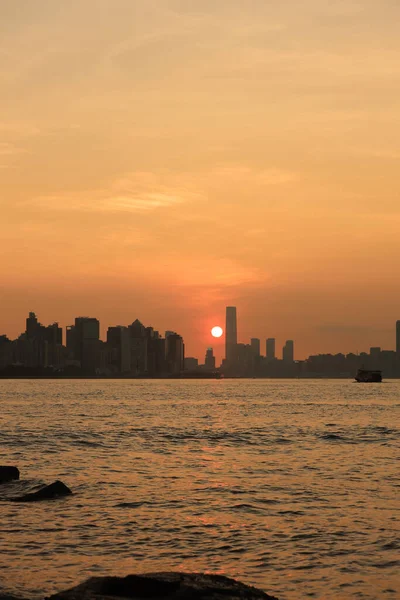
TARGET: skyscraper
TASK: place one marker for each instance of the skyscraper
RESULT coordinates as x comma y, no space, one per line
118,340
174,353
230,334
86,337
288,351
32,325
270,348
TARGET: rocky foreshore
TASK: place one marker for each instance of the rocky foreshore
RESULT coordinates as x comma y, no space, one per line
19,490
160,586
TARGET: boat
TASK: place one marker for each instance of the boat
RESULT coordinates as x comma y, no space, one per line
368,376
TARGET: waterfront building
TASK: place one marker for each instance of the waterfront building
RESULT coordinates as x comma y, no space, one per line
209,361
191,363
288,352
231,335
118,340
156,363
270,349
86,343
174,353
375,357
6,352
255,347
139,345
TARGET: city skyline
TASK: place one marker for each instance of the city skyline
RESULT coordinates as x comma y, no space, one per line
236,350
171,158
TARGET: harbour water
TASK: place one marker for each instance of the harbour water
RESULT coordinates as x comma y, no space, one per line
289,485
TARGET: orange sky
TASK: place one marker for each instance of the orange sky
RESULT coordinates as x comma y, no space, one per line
161,159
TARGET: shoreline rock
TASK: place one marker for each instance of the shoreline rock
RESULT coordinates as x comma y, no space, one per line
8,474
56,489
163,586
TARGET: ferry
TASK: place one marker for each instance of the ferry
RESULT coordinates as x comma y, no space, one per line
367,376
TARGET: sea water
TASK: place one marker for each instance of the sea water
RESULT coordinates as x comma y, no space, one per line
289,485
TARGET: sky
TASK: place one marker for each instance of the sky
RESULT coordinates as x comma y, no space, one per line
162,159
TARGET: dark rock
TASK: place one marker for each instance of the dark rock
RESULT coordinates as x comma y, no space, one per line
8,474
54,490
163,586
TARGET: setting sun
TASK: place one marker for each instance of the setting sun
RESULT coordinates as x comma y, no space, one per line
216,332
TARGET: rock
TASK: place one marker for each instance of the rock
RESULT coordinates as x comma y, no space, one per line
54,490
163,586
8,474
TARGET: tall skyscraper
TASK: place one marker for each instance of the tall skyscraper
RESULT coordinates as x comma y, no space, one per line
270,349
288,351
230,334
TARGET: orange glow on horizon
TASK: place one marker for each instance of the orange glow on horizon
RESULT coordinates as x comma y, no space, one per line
162,163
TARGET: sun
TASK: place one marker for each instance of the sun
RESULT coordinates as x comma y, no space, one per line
216,331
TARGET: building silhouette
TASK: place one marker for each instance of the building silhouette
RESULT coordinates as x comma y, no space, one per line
119,349
85,337
40,345
174,354
255,347
231,335
138,345
270,349
191,363
156,361
288,352
209,361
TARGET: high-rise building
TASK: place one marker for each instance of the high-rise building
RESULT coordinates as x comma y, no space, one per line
231,335
245,360
53,334
43,344
288,351
174,353
139,346
209,361
255,346
270,349
118,339
32,326
157,349
86,338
